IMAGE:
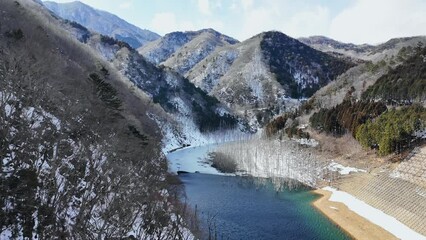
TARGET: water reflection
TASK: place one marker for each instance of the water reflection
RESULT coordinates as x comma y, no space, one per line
254,208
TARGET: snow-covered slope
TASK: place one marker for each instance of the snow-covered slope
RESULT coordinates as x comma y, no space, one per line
238,76
190,114
185,114
266,70
182,50
377,62
364,52
102,22
80,157
326,44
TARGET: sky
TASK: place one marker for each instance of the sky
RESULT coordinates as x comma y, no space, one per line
355,21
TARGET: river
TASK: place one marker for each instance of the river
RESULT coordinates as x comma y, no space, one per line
234,207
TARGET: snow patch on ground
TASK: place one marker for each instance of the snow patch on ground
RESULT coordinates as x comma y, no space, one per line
180,104
6,234
8,110
171,80
307,142
105,50
374,215
420,134
222,111
192,159
337,167
209,73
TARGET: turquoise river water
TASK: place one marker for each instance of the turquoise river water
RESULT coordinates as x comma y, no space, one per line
242,208
231,207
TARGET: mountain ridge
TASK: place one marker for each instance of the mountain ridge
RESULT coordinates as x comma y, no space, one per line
191,113
255,74
182,50
364,52
102,22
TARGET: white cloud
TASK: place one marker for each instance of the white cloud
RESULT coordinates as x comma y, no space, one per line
363,21
380,20
125,5
166,22
358,21
233,5
278,15
314,21
217,4
204,7
256,21
247,4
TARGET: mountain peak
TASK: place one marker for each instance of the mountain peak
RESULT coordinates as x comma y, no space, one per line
102,22
277,36
73,3
210,30
267,69
182,50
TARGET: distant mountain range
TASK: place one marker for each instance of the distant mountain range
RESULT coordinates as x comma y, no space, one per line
260,76
90,103
102,22
266,70
364,52
183,50
265,73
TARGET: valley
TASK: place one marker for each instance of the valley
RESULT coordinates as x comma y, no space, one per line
110,131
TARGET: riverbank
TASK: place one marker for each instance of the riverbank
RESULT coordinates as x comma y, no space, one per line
352,223
249,208
360,219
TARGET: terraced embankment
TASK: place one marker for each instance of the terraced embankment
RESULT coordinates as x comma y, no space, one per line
400,192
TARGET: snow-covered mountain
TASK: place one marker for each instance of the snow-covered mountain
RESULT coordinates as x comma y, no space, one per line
193,113
182,50
188,115
265,73
377,61
326,44
363,52
266,70
102,22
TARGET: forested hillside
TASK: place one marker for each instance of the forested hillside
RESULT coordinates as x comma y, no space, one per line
394,130
346,117
374,122
301,70
404,84
80,158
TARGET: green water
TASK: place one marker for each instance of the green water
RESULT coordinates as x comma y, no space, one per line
241,208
